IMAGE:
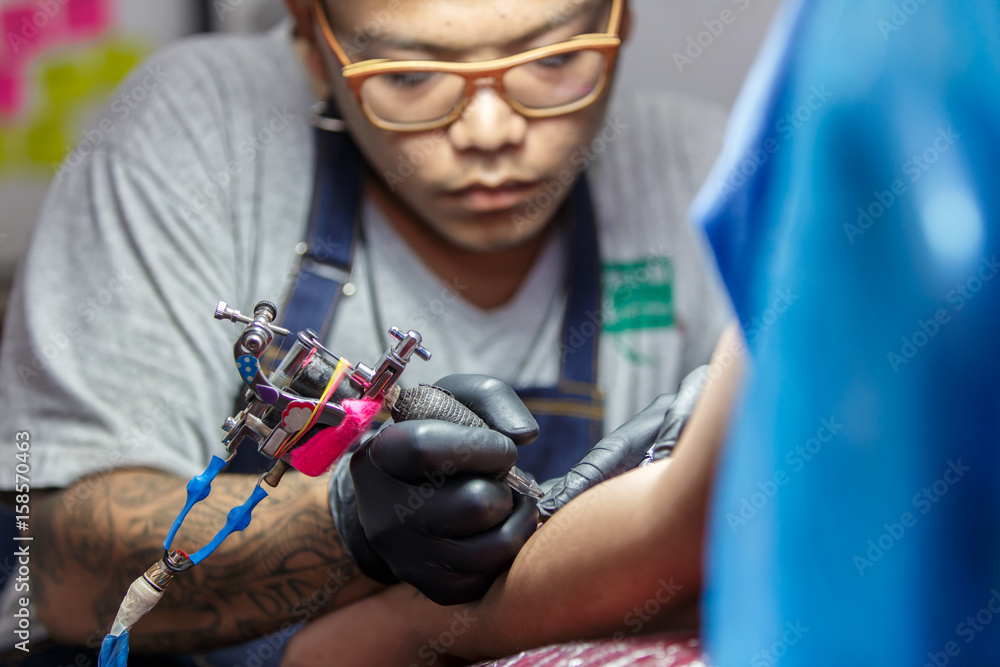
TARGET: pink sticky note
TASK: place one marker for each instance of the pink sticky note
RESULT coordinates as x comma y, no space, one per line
88,17
22,36
11,91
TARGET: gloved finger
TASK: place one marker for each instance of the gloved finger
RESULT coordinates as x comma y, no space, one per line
620,451
456,508
683,405
490,552
460,589
465,507
344,510
495,402
624,448
410,450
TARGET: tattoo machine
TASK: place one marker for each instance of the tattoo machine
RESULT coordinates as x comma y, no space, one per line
305,414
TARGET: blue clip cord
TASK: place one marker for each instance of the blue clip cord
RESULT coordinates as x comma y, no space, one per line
237,520
197,490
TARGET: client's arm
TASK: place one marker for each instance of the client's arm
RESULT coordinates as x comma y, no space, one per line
634,539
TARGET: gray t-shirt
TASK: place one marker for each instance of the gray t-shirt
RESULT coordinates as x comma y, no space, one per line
196,189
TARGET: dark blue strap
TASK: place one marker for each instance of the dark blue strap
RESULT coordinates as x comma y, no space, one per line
570,421
582,326
571,415
326,265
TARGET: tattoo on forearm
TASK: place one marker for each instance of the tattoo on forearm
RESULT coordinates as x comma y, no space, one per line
288,566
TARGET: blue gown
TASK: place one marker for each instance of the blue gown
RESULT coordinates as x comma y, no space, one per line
855,216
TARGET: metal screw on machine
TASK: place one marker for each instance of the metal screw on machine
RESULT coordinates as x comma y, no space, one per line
264,313
410,344
261,332
392,363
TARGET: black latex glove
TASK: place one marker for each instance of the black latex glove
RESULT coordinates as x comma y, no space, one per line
654,429
425,506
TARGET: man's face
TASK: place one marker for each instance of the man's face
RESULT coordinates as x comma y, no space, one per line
485,181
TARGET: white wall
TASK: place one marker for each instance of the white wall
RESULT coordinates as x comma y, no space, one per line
663,28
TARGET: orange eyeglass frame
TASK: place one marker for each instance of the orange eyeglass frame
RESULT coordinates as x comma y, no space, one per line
476,74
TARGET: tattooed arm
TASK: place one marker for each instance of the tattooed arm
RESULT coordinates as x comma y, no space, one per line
93,539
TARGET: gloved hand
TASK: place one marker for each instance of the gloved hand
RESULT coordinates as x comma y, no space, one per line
655,430
422,503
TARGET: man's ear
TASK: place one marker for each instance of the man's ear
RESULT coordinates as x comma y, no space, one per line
306,31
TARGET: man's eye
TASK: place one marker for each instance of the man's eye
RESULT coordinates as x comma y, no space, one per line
409,79
557,61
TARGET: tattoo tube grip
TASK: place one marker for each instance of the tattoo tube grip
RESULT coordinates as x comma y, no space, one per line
429,402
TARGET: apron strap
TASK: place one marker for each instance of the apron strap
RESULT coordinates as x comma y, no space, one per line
570,415
325,266
582,324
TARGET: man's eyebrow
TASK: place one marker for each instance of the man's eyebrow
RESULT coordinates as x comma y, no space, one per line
582,7
553,21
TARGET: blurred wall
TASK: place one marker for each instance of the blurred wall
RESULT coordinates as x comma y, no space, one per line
59,65
704,47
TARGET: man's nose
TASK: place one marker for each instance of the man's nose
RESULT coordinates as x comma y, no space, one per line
488,123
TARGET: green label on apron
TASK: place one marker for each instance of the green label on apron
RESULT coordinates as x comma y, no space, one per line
638,295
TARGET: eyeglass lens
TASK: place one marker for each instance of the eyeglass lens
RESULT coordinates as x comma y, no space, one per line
543,84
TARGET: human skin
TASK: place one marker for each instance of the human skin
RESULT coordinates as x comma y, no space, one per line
95,537
589,572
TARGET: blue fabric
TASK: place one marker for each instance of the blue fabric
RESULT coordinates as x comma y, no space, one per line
855,216
114,651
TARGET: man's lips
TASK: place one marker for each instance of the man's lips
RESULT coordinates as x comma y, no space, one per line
481,197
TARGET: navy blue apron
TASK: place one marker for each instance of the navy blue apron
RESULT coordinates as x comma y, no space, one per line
570,414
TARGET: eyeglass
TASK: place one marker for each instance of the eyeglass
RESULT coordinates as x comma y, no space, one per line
419,95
